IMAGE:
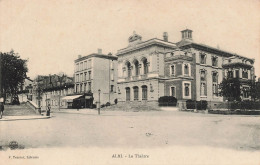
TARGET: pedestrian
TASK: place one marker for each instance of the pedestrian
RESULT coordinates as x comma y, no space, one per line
1,109
48,110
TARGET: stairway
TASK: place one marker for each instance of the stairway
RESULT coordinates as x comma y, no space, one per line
134,106
18,110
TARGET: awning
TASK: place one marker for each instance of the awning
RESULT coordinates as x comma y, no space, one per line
71,98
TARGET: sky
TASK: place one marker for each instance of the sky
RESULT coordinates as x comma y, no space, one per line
52,33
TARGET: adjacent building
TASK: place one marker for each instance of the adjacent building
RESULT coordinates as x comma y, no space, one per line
96,74
44,90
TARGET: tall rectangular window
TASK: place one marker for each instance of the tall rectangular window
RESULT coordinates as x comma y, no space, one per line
202,75
136,93
203,84
89,75
144,92
186,69
85,76
127,94
237,73
244,74
186,89
214,61
89,86
173,92
203,59
172,70
203,88
111,88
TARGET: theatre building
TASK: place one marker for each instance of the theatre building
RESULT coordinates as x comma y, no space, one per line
186,70
141,69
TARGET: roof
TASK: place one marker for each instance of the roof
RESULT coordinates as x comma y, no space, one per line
153,41
189,43
237,64
98,56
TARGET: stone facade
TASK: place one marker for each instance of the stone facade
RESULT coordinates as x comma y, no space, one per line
186,70
97,72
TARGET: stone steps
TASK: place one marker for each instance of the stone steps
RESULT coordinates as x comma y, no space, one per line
18,110
132,107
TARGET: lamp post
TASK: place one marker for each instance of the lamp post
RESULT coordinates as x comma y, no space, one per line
99,101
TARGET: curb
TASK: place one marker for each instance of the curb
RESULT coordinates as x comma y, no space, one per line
47,117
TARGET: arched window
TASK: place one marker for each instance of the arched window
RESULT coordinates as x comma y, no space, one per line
127,91
144,92
136,63
145,64
128,69
136,92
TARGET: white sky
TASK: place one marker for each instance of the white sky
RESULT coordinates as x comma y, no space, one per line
52,33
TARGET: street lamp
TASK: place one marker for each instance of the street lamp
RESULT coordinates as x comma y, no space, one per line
99,101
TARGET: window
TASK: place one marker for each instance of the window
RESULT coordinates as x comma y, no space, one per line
230,74
81,66
136,92
85,76
136,63
237,73
215,89
89,75
202,75
129,69
145,63
186,89
80,88
173,92
144,92
203,89
214,77
244,74
214,61
186,69
111,88
85,87
203,59
81,77
245,92
172,70
89,86
127,93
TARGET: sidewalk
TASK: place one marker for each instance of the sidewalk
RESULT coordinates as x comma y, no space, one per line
13,118
75,111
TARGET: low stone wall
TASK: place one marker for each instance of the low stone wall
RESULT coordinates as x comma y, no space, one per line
33,106
235,112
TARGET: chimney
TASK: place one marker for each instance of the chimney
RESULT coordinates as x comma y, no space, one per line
186,34
99,51
79,56
165,36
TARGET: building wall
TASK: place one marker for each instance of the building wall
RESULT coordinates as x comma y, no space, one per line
104,75
155,58
153,92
